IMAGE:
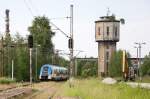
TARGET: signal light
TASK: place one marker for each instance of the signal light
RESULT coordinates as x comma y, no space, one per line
30,41
70,43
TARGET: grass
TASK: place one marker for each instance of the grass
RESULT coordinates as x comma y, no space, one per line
93,89
145,79
4,80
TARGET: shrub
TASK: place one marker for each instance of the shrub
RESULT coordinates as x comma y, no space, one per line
6,80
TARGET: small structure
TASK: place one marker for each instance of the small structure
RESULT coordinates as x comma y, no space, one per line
107,33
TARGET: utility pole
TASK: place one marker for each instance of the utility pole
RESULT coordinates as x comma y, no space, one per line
12,62
71,42
30,65
140,46
12,70
137,59
36,61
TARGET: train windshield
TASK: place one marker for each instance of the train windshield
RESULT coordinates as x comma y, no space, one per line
45,69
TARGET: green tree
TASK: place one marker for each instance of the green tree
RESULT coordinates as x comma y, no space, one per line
145,67
115,66
42,35
21,59
7,54
86,68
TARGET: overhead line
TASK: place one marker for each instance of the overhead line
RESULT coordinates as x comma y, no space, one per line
33,6
59,29
50,21
28,8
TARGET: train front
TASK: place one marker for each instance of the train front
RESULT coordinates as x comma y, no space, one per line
45,72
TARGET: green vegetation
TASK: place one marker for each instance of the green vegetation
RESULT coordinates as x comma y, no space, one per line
145,79
115,65
16,48
42,37
87,68
93,89
145,68
6,80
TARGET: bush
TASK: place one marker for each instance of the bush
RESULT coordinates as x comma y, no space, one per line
145,68
115,65
6,80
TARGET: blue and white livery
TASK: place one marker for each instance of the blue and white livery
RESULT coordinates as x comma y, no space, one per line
52,72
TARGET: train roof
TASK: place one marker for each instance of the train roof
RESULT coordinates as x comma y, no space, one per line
55,66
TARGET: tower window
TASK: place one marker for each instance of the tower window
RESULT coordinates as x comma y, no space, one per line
116,31
107,55
107,31
99,30
107,47
107,64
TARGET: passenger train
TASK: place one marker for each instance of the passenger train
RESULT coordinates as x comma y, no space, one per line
52,72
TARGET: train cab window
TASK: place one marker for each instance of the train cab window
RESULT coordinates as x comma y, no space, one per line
45,69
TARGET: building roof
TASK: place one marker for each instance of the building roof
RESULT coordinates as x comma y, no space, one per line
107,19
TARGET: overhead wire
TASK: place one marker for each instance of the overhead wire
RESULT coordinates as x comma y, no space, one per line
30,10
33,6
60,30
26,4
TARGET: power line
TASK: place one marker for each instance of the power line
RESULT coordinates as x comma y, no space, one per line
33,6
28,8
59,30
60,18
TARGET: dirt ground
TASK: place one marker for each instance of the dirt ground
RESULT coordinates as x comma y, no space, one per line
45,90
6,86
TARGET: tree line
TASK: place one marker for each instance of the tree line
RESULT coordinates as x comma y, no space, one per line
16,49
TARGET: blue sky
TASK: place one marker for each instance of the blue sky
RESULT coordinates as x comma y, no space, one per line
135,12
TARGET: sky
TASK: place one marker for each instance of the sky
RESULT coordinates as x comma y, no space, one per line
135,12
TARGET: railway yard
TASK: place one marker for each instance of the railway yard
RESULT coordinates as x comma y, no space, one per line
91,88
42,90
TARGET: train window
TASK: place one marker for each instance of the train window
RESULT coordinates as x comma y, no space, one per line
45,68
55,71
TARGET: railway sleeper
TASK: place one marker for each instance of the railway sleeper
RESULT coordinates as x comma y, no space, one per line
14,92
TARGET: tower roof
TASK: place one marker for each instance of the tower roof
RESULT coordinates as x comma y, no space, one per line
111,18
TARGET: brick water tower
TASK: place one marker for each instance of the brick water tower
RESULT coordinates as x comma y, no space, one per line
107,34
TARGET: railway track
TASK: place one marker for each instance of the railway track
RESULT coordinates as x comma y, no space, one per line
47,91
14,91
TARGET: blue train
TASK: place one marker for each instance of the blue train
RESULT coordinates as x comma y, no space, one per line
52,72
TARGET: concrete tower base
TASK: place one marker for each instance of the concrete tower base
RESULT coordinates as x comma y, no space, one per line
105,51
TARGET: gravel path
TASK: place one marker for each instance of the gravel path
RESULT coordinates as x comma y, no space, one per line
141,85
46,90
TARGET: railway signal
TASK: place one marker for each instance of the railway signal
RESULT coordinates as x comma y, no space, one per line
70,43
30,45
30,41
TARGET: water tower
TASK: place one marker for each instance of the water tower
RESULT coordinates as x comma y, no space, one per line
107,34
